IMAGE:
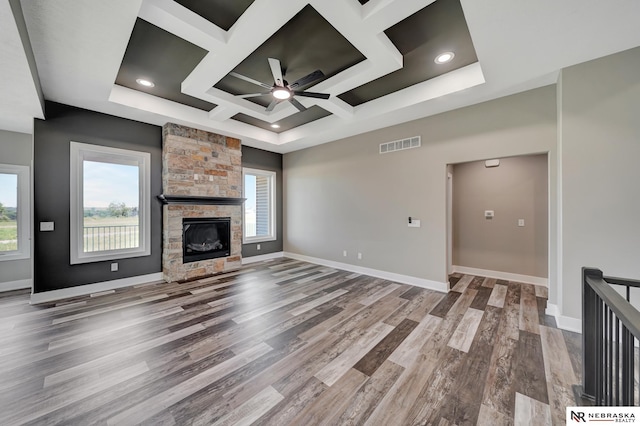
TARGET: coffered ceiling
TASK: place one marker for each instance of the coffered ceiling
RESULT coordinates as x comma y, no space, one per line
376,58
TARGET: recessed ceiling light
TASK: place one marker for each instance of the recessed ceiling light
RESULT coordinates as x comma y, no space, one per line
281,93
275,126
145,82
445,57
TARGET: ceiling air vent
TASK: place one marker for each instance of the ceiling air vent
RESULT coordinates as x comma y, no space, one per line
413,142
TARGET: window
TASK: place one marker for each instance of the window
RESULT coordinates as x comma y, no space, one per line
110,203
14,212
259,208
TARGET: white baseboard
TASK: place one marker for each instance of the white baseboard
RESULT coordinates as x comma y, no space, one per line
564,322
527,279
83,290
16,285
262,257
391,276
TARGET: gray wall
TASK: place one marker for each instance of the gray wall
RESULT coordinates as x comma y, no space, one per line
517,189
52,270
265,160
600,145
15,148
345,196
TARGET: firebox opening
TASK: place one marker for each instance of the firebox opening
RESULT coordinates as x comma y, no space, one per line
205,238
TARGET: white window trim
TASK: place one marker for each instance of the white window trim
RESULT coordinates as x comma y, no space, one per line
79,153
272,206
24,213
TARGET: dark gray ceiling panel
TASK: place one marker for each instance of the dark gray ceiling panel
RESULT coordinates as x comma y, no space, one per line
288,123
159,56
304,44
439,27
222,13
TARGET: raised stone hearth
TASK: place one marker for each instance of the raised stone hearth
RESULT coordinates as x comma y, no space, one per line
205,166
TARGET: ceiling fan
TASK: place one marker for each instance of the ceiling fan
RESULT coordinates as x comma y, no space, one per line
281,90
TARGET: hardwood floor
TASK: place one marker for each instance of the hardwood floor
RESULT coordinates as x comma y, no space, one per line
288,342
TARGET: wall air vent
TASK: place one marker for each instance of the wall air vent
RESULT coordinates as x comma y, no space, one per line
413,142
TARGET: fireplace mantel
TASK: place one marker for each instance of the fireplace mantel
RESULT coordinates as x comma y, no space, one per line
200,200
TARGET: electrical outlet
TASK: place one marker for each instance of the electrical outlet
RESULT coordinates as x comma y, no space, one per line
195,176
359,256
114,267
344,253
520,222
257,246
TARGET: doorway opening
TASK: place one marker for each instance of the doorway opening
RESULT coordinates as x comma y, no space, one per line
498,218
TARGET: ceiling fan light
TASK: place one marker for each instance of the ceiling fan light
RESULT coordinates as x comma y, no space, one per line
281,93
445,57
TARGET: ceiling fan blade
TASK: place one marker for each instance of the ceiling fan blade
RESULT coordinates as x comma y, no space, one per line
272,105
253,95
307,79
297,105
276,70
250,80
312,94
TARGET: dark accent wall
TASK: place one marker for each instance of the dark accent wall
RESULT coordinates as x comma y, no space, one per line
265,160
63,124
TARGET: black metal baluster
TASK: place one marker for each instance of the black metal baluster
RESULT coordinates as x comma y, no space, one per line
605,399
605,370
617,358
625,365
598,349
610,357
632,368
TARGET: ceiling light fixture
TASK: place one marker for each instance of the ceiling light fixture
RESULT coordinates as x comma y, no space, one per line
275,126
445,57
145,82
281,93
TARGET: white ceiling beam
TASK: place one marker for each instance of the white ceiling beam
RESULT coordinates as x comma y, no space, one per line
183,23
382,14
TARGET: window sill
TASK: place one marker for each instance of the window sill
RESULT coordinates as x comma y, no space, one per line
252,240
14,256
105,256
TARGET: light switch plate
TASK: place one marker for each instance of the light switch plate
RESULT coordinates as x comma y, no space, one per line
520,222
46,226
415,223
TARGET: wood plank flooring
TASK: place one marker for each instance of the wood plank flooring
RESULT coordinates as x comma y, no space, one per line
287,342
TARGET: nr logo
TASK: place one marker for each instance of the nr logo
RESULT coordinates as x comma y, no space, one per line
577,416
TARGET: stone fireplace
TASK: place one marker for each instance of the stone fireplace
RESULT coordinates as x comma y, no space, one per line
202,184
